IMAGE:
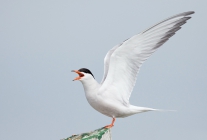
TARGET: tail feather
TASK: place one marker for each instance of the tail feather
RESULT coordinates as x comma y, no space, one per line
163,110
145,109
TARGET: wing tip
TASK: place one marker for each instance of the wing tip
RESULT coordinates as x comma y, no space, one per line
189,12
185,14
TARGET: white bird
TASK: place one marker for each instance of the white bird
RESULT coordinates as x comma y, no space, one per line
121,66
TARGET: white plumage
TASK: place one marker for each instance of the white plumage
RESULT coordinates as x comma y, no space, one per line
121,66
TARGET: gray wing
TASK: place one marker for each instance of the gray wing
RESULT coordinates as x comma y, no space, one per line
123,62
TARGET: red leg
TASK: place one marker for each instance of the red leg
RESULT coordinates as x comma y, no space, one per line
110,125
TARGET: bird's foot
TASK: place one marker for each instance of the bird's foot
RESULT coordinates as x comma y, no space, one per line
109,126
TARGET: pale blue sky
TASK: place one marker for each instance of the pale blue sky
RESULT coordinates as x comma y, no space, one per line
42,41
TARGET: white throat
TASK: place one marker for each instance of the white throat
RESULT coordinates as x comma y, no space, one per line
91,86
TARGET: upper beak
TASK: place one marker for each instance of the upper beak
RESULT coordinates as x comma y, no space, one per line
79,73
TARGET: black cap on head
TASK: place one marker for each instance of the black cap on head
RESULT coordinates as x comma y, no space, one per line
86,71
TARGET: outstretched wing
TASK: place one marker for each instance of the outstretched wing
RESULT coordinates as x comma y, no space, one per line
122,62
106,62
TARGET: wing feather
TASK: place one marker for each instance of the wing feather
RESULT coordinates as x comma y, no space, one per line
123,62
107,60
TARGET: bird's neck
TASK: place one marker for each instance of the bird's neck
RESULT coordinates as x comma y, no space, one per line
91,86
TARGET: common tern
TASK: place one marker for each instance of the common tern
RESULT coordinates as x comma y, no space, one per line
121,66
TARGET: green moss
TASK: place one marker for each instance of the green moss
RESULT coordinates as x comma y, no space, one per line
88,136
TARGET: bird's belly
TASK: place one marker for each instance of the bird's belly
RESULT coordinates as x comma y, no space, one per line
108,107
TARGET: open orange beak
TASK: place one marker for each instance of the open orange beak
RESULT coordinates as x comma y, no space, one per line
79,73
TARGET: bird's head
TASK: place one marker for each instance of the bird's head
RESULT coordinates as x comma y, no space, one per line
84,74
